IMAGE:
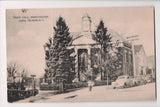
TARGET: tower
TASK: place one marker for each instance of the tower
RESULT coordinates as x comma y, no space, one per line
86,23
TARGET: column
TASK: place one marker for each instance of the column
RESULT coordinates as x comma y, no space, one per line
134,60
76,61
89,58
123,65
130,64
127,63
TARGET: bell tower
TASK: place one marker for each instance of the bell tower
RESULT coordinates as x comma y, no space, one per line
86,23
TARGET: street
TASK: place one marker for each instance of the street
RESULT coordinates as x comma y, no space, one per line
98,93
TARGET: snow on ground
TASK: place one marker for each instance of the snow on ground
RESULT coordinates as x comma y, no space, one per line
99,93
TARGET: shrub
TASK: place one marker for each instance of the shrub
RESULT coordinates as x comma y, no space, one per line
76,85
102,82
72,85
49,87
67,86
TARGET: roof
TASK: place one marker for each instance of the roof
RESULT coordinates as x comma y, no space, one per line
115,36
75,35
137,48
80,38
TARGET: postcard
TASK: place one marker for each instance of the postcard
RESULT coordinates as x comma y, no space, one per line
81,54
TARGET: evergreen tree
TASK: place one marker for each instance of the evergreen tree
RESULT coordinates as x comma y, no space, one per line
60,59
111,61
103,39
116,64
49,73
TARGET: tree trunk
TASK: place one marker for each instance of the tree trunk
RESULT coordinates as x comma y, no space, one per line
104,72
61,87
101,63
104,65
107,78
79,75
101,74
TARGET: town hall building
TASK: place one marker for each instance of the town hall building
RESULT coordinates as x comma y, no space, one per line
87,50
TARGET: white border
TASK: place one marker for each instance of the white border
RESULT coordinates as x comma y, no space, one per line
64,4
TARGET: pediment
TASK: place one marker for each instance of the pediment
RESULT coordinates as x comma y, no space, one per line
83,40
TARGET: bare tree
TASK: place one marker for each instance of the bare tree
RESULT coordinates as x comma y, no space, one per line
12,68
16,70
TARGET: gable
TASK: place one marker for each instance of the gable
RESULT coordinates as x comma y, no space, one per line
83,40
86,38
138,49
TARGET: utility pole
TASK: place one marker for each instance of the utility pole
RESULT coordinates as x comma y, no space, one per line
33,83
132,39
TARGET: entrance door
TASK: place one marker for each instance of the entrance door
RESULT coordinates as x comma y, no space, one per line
82,61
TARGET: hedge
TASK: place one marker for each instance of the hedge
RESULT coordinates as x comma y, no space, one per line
72,85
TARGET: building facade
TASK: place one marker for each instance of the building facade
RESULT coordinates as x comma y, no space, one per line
88,53
140,60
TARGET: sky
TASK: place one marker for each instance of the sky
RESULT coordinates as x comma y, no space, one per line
25,39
